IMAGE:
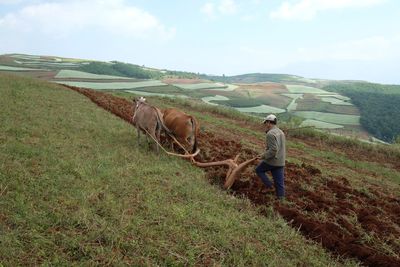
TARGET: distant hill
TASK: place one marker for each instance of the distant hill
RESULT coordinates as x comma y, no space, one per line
342,107
253,78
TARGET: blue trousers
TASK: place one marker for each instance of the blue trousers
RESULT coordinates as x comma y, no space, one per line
277,174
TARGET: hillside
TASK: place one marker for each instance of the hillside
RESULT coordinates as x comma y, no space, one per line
378,104
293,98
79,181
351,108
76,190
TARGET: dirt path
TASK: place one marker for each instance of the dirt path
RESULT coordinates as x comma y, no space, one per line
328,210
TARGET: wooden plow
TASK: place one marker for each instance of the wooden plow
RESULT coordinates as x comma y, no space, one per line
234,169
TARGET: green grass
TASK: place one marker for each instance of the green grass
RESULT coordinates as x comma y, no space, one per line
113,85
208,99
84,75
335,101
330,117
196,86
301,89
76,190
320,124
9,68
163,89
262,109
144,93
315,104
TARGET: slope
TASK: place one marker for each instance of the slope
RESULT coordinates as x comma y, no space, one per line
76,190
347,198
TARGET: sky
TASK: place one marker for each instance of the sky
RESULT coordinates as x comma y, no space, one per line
326,39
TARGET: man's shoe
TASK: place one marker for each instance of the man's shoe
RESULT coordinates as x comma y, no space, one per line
267,190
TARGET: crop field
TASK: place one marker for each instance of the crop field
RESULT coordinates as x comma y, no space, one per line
65,74
197,86
260,97
183,81
9,68
266,87
341,97
26,57
144,93
312,102
165,89
301,89
335,101
208,99
113,85
329,117
333,197
293,96
261,109
320,124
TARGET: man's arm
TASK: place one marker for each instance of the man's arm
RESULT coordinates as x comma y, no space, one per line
272,147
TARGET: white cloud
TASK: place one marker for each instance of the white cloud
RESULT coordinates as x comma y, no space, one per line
367,49
227,7
208,9
308,9
65,18
213,10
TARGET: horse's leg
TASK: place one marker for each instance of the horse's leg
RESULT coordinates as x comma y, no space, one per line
158,134
138,136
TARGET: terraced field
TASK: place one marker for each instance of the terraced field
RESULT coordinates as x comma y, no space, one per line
315,106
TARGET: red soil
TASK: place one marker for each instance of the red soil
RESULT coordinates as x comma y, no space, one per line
324,209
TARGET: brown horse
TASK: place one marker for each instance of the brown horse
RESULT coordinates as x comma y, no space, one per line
184,127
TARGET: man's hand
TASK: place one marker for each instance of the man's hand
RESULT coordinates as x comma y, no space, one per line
260,156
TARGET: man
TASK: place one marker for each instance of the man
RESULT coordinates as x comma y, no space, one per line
274,157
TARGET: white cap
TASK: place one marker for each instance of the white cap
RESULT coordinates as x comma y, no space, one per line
270,117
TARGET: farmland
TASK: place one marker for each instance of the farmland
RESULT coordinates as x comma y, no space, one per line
77,190
286,95
340,217
113,85
102,203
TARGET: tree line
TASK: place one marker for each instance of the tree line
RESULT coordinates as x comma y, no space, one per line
132,71
379,107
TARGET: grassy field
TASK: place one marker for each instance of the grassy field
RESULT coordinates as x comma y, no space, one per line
144,93
76,190
9,68
113,85
197,86
208,99
330,117
301,89
312,102
261,109
320,124
62,74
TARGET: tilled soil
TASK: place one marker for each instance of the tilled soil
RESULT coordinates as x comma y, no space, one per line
348,222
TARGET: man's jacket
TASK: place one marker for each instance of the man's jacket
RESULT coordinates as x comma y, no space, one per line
275,153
